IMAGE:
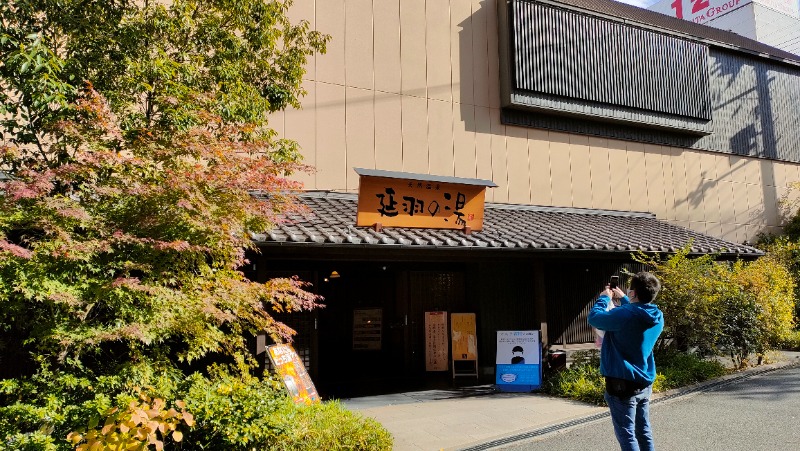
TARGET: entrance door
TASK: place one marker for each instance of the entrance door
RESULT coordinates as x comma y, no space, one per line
431,291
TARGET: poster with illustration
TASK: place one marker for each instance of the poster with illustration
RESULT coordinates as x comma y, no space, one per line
290,368
519,360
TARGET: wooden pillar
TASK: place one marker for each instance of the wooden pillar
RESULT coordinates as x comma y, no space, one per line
540,299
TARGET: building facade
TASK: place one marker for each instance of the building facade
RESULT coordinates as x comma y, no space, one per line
773,22
578,110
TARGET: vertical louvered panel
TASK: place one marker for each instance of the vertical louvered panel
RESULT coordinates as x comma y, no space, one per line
572,287
756,108
572,55
505,295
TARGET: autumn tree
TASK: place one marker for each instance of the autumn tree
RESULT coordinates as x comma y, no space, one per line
133,136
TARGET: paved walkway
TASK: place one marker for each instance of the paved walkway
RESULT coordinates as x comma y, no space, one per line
468,417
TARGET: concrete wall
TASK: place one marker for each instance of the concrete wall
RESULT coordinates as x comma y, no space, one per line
777,29
412,85
740,21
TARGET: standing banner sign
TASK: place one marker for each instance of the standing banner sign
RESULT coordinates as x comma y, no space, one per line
436,341
465,344
465,340
294,375
519,360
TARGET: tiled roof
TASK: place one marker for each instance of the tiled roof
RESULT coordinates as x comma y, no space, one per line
673,24
332,217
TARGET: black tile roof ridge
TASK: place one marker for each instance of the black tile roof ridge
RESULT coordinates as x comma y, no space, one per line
588,229
570,210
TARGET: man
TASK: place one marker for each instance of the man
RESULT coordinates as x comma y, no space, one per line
626,357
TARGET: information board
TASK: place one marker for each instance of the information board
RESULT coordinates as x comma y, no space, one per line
367,329
295,378
436,341
519,360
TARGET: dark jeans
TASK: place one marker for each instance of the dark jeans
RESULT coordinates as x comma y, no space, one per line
631,418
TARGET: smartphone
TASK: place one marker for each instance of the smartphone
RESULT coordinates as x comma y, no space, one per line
614,282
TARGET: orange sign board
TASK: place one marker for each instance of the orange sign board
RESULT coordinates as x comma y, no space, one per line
294,375
400,202
465,340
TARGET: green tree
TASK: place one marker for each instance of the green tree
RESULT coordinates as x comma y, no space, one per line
690,291
133,136
734,308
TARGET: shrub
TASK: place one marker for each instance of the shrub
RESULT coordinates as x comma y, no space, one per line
769,283
736,308
791,342
676,369
142,423
690,289
235,414
581,381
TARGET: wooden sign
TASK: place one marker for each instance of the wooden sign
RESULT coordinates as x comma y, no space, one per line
465,339
423,202
436,341
294,375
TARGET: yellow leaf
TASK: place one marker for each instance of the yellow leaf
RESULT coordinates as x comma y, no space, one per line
158,403
124,428
188,418
177,436
74,437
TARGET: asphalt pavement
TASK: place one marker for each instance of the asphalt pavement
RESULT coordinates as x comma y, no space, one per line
756,409
761,412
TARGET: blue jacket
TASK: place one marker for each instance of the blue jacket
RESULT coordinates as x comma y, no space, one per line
631,331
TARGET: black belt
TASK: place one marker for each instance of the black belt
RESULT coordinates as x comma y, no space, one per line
623,388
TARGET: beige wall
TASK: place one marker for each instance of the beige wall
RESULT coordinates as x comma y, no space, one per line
412,85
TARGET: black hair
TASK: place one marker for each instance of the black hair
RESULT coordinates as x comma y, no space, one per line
517,349
646,286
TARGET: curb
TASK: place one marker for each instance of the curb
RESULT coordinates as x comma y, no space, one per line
658,398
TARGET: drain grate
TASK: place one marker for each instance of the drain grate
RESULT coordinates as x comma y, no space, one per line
580,421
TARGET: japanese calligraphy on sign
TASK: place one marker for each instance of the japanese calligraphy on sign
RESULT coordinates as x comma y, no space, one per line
436,341
406,202
294,375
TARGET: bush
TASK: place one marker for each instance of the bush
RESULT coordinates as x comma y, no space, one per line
582,380
224,412
736,308
676,369
233,414
791,342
